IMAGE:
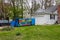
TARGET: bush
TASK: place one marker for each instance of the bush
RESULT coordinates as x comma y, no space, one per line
18,33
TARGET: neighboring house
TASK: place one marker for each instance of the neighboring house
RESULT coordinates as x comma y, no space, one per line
47,16
58,10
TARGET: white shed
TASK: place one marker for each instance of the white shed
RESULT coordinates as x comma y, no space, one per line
47,16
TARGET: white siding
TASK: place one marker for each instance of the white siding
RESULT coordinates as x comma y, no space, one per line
45,19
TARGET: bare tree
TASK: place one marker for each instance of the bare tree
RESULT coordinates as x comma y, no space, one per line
35,6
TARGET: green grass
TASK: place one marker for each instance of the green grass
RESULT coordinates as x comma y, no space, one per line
46,32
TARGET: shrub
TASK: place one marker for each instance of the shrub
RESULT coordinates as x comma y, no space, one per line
18,33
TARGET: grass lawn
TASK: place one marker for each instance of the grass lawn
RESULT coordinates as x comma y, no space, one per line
46,32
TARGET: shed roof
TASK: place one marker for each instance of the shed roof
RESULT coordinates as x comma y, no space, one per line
48,10
51,9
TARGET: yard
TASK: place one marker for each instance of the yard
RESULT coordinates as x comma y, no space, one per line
45,32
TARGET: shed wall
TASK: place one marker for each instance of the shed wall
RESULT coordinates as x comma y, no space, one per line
45,19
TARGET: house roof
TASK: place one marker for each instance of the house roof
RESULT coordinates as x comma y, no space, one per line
51,9
47,11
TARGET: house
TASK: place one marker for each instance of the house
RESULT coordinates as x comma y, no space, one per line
47,13
46,16
58,10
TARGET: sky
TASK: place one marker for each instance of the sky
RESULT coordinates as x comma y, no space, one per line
30,2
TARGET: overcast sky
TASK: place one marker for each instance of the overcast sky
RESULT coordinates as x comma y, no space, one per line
30,2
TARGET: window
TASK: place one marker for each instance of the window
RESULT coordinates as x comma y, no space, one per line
52,16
